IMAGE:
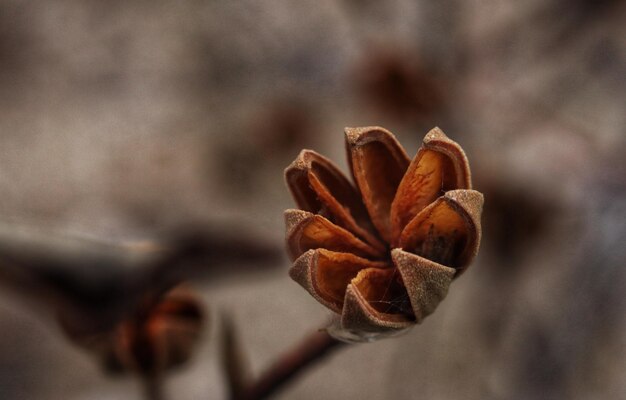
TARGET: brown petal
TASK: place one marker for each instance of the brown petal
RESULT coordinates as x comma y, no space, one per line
378,163
359,315
319,187
326,274
447,231
307,231
439,166
426,282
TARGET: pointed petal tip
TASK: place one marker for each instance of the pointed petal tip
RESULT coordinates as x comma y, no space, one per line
438,141
397,252
294,217
435,134
301,161
300,270
295,171
361,135
471,201
352,134
426,281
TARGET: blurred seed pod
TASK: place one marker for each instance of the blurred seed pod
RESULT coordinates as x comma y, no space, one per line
161,334
94,284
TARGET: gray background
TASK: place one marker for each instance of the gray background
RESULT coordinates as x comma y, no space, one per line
120,118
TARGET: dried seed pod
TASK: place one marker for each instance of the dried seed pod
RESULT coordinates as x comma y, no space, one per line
382,254
159,335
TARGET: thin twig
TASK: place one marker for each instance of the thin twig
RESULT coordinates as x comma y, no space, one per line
312,349
234,360
153,386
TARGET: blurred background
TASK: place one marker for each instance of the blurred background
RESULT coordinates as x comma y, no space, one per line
120,120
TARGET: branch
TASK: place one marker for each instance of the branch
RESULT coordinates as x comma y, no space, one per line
153,386
312,349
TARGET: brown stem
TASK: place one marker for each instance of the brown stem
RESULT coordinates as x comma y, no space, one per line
153,386
312,349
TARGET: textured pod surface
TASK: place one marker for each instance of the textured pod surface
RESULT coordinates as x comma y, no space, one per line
383,252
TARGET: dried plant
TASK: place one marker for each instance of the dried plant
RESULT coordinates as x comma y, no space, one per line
383,254
158,335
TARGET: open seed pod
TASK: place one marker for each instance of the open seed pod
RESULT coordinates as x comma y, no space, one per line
382,254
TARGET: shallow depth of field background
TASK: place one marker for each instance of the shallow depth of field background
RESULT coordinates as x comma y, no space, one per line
119,119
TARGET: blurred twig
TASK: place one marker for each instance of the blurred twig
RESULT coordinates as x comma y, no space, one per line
96,283
153,387
233,359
